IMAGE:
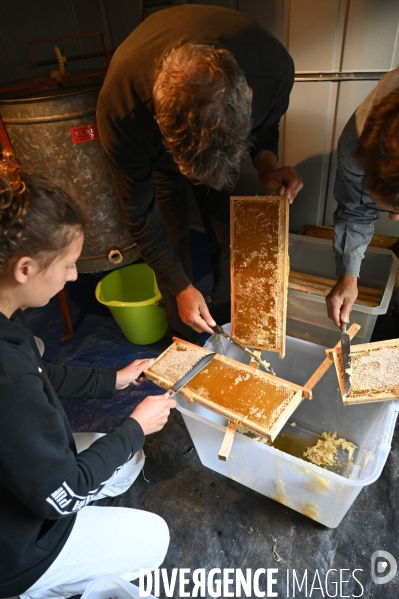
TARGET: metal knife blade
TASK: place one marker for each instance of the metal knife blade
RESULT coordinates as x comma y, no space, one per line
218,329
191,373
346,357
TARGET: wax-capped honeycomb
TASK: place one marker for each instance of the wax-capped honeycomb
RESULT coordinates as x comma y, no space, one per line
176,362
246,394
374,370
226,385
259,271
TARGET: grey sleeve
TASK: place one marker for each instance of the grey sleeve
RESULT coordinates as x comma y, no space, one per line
353,221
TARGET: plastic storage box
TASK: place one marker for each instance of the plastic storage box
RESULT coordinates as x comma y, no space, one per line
322,495
307,313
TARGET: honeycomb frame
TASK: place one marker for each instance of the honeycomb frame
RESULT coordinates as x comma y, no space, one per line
259,270
268,383
375,356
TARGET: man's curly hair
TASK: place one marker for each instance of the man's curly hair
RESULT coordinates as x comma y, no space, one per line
203,109
378,150
37,218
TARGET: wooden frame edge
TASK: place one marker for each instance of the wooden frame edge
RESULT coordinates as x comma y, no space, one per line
232,279
286,272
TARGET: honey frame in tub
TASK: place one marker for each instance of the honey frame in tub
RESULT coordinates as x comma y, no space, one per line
228,388
259,269
374,372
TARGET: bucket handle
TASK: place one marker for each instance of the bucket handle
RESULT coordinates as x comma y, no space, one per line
115,256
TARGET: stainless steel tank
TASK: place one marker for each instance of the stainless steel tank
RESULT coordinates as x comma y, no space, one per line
55,134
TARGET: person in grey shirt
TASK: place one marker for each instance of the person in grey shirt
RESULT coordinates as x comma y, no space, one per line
366,184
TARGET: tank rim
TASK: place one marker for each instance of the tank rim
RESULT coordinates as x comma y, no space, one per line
84,90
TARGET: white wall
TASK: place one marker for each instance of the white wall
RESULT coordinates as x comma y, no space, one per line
321,35
325,36
347,36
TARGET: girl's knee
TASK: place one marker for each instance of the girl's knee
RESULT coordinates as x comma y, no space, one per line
164,533
158,538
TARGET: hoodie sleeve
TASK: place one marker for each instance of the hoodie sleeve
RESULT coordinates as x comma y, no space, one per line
37,464
71,382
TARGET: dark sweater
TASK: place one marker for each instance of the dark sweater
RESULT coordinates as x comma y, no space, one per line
43,482
125,113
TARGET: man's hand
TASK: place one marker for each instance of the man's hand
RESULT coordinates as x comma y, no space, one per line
277,181
193,310
341,299
283,181
153,412
130,375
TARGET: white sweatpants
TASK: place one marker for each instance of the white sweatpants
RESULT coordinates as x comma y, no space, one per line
105,540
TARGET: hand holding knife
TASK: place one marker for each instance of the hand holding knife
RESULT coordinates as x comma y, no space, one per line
346,357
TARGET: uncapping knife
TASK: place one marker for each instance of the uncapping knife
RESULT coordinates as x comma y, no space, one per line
191,373
346,357
219,331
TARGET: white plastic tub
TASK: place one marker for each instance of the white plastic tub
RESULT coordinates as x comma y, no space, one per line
307,313
322,495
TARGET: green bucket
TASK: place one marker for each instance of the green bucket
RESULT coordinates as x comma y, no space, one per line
132,295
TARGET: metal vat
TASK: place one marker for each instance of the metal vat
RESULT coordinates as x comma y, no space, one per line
54,134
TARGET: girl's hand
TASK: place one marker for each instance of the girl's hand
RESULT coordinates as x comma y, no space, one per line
132,373
153,412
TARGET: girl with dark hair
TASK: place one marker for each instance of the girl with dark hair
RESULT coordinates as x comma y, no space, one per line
52,541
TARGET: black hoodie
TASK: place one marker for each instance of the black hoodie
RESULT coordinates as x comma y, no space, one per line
43,482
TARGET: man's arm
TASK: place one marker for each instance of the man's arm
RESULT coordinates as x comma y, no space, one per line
277,181
129,158
353,230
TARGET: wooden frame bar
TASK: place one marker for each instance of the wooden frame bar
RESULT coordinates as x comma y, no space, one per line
227,443
259,271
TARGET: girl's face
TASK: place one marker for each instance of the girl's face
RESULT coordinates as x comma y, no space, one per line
46,283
